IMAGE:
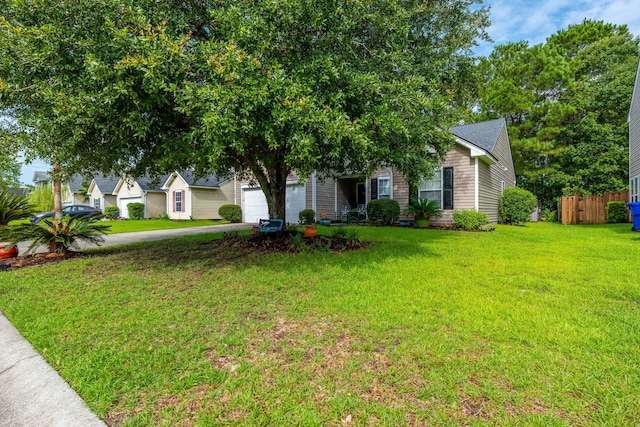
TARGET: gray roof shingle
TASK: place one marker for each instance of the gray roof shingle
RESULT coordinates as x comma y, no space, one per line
482,134
106,184
211,181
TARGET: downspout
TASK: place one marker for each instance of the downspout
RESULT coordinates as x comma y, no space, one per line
335,198
476,185
313,192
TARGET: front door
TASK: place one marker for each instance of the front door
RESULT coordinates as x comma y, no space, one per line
361,193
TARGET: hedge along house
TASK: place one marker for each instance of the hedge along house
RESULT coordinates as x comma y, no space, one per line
145,190
634,142
102,191
191,198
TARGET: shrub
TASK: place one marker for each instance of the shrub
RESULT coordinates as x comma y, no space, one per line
232,213
470,219
13,207
516,205
386,211
112,211
136,210
424,208
41,197
307,216
57,235
548,215
616,212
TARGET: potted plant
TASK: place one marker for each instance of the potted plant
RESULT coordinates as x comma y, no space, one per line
423,210
12,208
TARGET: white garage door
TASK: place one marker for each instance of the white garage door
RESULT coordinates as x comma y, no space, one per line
124,211
255,204
295,202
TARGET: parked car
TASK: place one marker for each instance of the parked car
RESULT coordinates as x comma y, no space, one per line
71,210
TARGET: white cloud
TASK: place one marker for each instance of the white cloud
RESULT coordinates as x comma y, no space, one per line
534,21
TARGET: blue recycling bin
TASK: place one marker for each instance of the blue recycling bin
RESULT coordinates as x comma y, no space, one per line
634,211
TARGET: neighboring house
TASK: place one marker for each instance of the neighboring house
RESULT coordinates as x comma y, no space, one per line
191,198
473,176
102,191
634,142
41,178
70,190
143,190
75,195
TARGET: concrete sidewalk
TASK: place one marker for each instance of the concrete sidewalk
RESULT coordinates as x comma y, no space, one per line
31,391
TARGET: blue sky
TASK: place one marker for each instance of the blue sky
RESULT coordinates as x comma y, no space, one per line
515,20
534,21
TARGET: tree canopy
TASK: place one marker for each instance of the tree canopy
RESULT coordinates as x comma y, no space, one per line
270,88
566,102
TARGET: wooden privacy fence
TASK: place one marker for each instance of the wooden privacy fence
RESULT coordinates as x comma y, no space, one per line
589,209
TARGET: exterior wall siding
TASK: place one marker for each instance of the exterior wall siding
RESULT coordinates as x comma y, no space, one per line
634,129
492,176
155,204
178,184
463,182
206,202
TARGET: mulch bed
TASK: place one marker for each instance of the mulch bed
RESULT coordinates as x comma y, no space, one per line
37,260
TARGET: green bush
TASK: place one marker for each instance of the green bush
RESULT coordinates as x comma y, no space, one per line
136,210
470,219
232,213
386,211
41,198
548,215
516,206
616,212
307,216
112,211
13,207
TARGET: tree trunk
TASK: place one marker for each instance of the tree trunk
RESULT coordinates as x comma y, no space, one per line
273,182
57,193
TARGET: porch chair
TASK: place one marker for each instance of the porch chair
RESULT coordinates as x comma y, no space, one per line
345,212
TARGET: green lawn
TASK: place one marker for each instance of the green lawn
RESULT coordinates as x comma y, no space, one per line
127,226
130,225
523,326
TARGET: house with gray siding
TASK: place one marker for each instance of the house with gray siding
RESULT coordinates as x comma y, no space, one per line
474,174
634,142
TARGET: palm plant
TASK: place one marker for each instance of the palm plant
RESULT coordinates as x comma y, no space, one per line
423,210
57,235
13,207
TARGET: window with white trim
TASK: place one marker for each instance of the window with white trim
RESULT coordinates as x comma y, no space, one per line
634,189
384,187
96,203
432,189
177,201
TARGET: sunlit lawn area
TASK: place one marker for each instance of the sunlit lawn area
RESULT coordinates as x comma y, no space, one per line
535,325
128,226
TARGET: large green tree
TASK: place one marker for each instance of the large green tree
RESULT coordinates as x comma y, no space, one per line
9,162
269,87
566,102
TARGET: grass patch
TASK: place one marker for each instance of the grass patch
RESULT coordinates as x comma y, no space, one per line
535,325
129,226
